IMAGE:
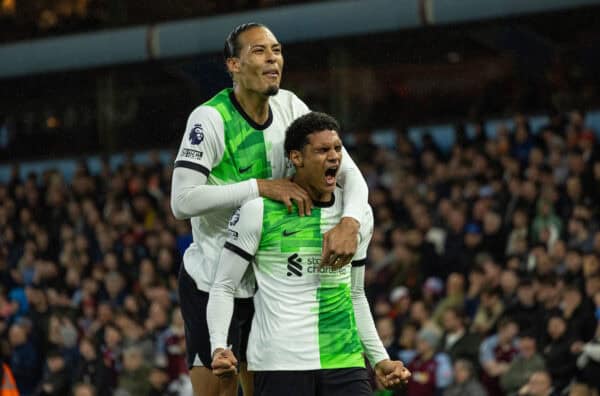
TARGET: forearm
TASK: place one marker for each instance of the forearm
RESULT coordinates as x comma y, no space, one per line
356,191
219,310
190,196
367,332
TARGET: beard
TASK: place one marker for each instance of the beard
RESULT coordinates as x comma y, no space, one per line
272,90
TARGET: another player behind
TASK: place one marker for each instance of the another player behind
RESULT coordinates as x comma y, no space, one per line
311,323
232,152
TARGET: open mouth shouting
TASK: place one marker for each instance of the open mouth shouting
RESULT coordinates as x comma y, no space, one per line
331,176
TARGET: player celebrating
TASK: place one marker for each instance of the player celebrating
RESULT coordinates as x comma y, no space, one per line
232,152
311,323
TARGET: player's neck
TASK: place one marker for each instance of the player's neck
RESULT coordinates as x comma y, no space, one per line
255,105
315,195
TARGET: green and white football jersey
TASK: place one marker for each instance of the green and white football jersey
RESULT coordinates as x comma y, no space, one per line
304,318
224,144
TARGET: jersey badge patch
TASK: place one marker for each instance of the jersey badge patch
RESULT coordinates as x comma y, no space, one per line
196,134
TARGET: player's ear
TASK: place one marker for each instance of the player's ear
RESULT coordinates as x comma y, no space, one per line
296,158
233,64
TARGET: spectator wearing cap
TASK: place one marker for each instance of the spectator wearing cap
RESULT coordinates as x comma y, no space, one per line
431,372
432,291
400,305
495,354
523,366
473,240
465,380
457,341
560,360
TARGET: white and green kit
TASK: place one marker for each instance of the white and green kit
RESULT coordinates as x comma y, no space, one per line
306,317
221,155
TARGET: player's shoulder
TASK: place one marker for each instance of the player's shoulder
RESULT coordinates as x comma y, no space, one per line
209,109
285,97
205,111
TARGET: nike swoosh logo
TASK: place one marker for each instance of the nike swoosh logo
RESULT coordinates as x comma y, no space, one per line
246,169
288,233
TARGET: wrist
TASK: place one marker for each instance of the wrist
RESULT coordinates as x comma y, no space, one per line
350,222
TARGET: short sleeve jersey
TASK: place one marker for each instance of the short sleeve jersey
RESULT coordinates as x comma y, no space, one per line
304,318
227,146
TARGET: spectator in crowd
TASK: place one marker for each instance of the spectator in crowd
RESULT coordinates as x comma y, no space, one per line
91,369
134,377
539,384
458,342
431,371
61,237
23,361
81,389
496,353
588,361
465,381
455,297
56,380
525,310
560,360
489,311
523,366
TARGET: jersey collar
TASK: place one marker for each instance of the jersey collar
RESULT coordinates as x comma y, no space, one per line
328,204
253,124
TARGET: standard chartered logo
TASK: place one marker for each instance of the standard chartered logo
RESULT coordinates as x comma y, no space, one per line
294,265
312,265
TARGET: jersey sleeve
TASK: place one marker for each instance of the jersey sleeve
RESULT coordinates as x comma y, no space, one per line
365,233
356,191
245,229
202,145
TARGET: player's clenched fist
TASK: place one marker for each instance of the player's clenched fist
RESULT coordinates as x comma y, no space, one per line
224,362
392,373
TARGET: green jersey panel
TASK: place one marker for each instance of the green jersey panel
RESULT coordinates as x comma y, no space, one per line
287,267
245,155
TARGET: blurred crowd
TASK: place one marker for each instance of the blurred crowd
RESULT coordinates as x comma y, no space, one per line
483,274
484,269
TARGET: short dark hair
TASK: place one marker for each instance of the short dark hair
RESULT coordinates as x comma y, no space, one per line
232,45
296,136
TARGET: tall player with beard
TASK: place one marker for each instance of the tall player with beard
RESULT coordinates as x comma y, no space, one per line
232,152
